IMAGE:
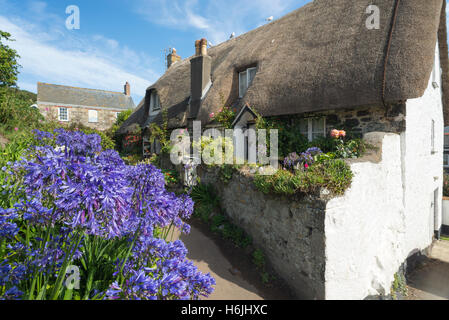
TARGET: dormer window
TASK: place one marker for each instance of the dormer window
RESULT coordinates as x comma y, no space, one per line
155,104
245,79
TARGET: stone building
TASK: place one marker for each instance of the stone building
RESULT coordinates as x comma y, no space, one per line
96,109
326,64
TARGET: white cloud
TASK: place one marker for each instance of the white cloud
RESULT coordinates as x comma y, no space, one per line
50,53
215,19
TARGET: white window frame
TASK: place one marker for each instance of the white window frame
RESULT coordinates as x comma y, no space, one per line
92,119
59,114
248,80
310,127
154,97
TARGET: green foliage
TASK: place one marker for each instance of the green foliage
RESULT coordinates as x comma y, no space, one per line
225,117
9,67
205,194
335,175
228,231
226,172
350,149
259,259
399,286
123,116
16,111
260,262
171,177
291,140
210,145
207,202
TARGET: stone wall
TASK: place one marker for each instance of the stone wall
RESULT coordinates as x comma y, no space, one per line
290,231
106,117
366,119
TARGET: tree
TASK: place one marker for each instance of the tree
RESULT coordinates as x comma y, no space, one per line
9,67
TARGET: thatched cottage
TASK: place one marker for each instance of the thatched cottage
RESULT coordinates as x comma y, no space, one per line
326,62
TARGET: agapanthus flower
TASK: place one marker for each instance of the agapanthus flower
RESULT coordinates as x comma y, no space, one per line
71,185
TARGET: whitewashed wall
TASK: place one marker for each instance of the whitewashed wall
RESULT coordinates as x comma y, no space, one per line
386,215
366,226
424,169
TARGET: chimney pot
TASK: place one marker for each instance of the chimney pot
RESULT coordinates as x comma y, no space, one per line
203,47
172,57
197,47
127,89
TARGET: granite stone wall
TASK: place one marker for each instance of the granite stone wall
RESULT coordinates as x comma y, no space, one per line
389,119
106,117
290,230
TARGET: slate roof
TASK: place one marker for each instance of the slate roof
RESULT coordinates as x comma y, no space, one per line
65,95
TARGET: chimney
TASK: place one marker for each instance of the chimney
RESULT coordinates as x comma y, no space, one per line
200,77
172,58
127,89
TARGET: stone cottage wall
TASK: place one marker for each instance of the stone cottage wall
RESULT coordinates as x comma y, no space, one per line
106,117
290,231
391,119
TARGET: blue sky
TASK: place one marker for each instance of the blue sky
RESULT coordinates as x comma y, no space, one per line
121,41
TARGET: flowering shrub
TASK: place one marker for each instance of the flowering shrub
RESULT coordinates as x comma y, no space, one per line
304,160
84,208
334,175
225,116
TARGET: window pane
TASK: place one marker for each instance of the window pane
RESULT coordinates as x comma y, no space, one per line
304,127
252,74
63,114
243,84
318,125
157,104
154,102
318,129
93,116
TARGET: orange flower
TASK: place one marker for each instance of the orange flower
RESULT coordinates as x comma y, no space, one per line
335,133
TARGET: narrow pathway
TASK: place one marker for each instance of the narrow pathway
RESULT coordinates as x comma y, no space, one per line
236,277
430,281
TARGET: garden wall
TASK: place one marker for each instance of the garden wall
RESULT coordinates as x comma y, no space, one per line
365,228
290,231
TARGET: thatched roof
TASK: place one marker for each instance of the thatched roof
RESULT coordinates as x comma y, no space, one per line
73,96
320,57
